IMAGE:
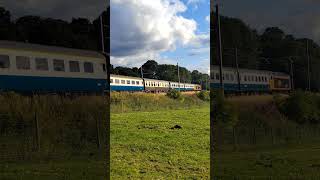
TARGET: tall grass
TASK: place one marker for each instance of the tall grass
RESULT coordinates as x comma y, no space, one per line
122,102
51,126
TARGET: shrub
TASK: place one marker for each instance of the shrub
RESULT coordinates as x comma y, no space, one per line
204,95
302,107
174,94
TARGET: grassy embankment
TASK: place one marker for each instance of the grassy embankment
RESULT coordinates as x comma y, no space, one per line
145,144
264,143
52,137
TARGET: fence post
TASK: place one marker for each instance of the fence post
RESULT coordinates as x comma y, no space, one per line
254,136
37,130
98,133
234,138
272,137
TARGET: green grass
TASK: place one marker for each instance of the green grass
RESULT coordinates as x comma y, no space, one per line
279,162
144,146
67,169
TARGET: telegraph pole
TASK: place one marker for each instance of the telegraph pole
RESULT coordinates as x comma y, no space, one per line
219,48
102,34
291,74
144,86
178,76
308,58
237,66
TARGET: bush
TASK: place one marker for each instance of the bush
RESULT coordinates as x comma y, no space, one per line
302,107
204,95
174,94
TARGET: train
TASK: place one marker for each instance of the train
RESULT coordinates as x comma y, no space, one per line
128,83
249,80
33,68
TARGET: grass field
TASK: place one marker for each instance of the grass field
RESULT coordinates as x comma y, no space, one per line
145,144
281,162
290,151
88,169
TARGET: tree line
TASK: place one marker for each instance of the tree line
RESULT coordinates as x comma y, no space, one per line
80,33
151,69
273,49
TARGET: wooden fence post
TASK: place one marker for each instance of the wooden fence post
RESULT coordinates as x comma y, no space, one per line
98,133
234,138
37,130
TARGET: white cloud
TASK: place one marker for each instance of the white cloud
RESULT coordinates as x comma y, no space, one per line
208,18
142,29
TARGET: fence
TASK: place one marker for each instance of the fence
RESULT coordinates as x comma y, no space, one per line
51,127
240,137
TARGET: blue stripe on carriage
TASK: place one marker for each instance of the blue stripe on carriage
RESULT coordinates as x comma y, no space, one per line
51,84
126,88
244,87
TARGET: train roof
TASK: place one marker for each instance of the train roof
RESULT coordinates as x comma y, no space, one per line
156,80
251,70
48,49
122,76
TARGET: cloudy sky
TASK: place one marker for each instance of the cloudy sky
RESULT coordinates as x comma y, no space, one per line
168,31
62,9
298,17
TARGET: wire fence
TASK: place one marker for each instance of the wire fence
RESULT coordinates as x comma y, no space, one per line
240,137
51,127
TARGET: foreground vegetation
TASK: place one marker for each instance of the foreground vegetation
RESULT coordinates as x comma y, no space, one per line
49,136
267,137
167,144
122,102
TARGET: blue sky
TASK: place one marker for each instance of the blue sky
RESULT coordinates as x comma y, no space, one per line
168,31
186,55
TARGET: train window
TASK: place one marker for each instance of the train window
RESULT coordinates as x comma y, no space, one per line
22,62
42,64
128,81
137,82
227,76
133,82
88,67
4,61
217,76
116,81
111,80
232,78
58,65
74,66
123,82
245,78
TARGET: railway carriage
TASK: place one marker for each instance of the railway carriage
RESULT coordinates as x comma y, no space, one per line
250,80
26,67
125,83
154,85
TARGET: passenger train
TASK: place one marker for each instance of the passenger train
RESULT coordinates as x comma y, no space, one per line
26,67
250,80
33,68
127,83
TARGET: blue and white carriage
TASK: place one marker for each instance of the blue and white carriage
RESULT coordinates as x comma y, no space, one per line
250,80
26,67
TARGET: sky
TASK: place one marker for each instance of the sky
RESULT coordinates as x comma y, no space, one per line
168,31
61,9
300,18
